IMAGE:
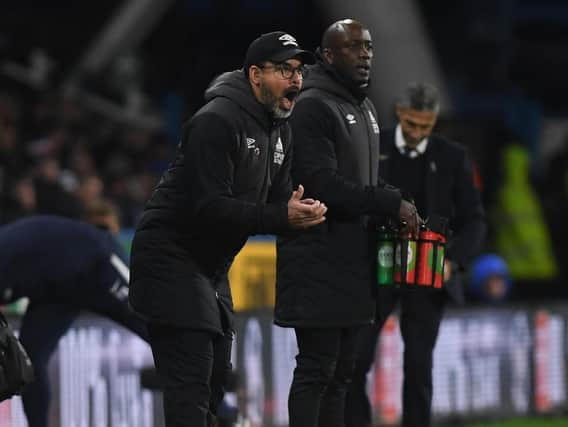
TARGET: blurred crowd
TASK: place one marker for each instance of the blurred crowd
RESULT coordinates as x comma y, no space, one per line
56,155
61,147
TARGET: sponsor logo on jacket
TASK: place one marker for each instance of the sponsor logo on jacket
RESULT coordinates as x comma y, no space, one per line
374,124
279,152
251,145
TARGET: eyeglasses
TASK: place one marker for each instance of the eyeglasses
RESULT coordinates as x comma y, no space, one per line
286,71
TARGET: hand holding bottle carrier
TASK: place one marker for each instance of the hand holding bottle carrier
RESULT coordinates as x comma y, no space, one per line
403,260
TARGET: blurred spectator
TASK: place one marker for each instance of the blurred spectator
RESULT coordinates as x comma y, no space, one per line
80,161
521,233
48,169
50,145
90,189
19,199
490,280
25,195
52,199
56,156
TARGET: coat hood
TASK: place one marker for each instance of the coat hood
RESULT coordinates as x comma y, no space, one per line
235,86
324,77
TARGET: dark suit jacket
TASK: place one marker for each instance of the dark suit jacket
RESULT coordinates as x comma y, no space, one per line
450,193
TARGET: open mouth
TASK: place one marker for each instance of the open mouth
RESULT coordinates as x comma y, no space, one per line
290,97
291,94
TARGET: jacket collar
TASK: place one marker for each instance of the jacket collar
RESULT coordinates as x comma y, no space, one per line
234,85
400,144
326,77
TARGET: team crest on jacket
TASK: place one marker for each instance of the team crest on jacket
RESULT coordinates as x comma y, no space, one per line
351,119
279,152
373,122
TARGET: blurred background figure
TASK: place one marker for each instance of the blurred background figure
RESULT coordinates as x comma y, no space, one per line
62,266
490,280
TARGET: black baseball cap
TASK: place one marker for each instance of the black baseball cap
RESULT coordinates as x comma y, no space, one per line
276,47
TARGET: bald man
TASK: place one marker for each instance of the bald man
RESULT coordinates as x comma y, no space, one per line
325,285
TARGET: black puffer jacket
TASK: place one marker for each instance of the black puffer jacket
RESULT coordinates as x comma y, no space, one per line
230,179
325,274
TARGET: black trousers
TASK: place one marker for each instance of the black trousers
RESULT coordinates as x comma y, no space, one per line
47,319
194,366
420,316
324,366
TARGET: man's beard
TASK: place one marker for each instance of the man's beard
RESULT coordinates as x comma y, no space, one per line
272,104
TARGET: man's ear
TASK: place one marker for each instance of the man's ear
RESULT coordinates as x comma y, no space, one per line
254,73
328,55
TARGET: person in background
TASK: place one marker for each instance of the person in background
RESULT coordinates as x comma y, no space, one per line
324,286
52,198
230,179
437,174
62,266
20,199
490,279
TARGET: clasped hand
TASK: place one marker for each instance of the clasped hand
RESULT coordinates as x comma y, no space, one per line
304,213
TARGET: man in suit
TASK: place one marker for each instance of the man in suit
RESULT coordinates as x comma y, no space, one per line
437,175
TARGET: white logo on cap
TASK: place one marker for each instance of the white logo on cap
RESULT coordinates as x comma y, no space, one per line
288,39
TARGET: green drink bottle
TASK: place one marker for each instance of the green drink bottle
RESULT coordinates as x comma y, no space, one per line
385,257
